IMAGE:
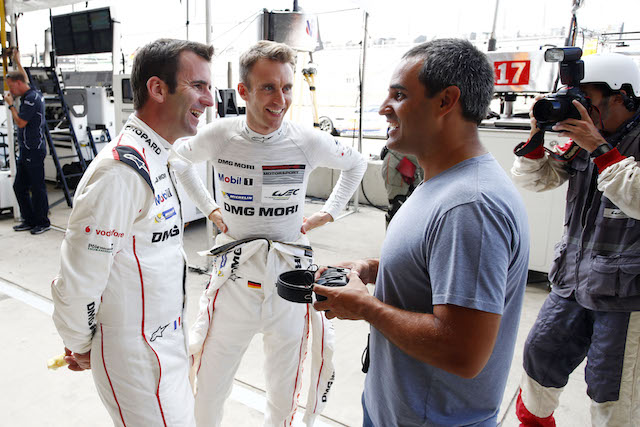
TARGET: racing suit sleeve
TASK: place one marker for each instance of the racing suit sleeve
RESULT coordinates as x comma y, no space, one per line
619,181
183,156
193,185
99,226
327,152
538,174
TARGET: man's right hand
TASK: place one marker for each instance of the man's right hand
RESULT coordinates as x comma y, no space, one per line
367,269
77,361
216,218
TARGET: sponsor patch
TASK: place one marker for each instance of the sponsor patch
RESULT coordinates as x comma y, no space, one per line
161,236
152,145
236,164
91,316
341,150
163,196
614,214
165,215
238,197
254,285
262,211
160,177
234,180
97,248
283,175
274,193
104,233
158,333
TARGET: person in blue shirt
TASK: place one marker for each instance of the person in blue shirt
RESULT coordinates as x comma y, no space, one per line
453,267
29,185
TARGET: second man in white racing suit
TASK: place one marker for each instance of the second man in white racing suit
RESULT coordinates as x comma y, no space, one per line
262,167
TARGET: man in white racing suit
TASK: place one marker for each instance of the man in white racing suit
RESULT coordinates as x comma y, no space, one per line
262,166
120,295
593,310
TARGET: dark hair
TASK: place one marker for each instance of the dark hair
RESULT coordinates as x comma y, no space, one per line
630,101
265,49
161,59
456,62
16,76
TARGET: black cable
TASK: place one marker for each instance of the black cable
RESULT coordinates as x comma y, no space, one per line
384,209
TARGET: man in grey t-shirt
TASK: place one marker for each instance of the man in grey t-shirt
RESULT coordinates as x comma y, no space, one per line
452,272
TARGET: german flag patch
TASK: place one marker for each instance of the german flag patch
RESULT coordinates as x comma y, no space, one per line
254,285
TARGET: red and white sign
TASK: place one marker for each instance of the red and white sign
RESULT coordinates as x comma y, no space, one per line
512,73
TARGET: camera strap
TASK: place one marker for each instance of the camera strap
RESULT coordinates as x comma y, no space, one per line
525,148
537,140
567,155
614,139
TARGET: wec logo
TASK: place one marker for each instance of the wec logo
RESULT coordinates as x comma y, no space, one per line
291,192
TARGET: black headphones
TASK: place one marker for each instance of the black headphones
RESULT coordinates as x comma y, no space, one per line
628,102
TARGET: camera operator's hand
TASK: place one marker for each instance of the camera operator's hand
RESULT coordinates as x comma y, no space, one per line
344,302
582,131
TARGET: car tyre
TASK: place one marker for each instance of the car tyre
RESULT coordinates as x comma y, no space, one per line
326,125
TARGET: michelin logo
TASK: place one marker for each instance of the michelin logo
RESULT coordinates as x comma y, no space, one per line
238,197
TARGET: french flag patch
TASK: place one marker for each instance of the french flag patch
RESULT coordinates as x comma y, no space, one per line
176,323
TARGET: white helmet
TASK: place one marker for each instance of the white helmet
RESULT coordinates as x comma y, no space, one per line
614,69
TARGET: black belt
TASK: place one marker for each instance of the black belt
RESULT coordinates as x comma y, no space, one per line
227,247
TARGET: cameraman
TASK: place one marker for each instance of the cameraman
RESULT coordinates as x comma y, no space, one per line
593,309
401,174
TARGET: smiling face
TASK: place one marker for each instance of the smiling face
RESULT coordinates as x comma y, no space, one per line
407,109
191,97
267,94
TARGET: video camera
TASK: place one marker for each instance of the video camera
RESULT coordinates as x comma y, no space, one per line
558,106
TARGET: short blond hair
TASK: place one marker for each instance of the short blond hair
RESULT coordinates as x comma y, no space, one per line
265,49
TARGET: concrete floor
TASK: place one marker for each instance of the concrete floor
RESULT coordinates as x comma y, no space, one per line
30,395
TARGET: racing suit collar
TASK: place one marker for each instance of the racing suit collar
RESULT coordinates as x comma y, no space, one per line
258,137
137,121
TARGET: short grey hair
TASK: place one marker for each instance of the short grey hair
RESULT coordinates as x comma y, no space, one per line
265,49
456,62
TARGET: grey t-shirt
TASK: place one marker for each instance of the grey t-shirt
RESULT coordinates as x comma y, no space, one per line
462,238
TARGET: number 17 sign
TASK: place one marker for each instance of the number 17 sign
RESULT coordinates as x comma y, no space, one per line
512,73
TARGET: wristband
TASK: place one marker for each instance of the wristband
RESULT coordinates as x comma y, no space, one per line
600,150
10,106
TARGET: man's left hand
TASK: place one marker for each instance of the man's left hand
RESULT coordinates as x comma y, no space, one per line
8,98
582,130
344,302
316,220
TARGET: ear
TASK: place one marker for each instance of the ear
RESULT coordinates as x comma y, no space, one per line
624,99
158,90
449,97
243,90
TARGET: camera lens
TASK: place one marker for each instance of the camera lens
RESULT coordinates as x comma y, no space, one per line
551,110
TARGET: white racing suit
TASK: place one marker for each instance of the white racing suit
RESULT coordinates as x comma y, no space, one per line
120,292
261,181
